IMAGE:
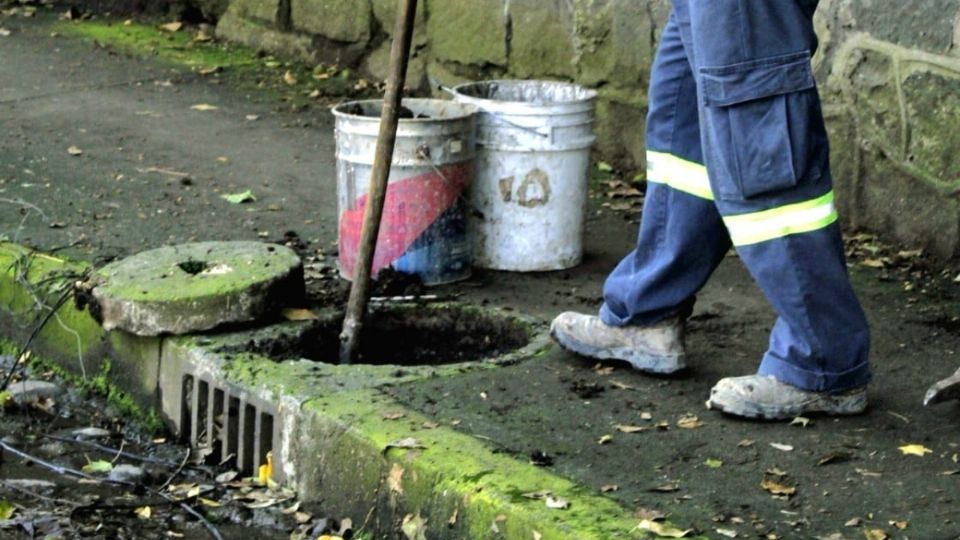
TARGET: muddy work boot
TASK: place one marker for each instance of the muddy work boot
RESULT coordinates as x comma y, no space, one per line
758,396
654,349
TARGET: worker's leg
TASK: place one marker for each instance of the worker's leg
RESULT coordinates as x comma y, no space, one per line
682,238
767,152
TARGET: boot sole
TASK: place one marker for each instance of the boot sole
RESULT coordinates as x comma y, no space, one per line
640,361
838,405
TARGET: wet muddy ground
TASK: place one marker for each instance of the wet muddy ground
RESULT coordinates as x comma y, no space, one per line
646,442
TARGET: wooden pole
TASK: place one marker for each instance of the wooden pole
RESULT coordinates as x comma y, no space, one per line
389,119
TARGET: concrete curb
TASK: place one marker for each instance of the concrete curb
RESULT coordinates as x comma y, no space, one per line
326,425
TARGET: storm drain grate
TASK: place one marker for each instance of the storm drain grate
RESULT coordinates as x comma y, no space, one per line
227,424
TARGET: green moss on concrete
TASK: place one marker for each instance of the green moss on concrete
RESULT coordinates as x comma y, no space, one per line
455,472
542,42
99,384
468,31
241,64
347,21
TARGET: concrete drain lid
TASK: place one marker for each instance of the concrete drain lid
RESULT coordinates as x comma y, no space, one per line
195,287
402,334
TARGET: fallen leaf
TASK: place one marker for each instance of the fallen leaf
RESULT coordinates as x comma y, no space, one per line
144,512
865,472
239,198
603,166
7,509
74,151
537,535
609,488
289,79
662,530
776,471
915,450
99,466
646,416
729,533
601,369
302,517
414,527
800,421
203,107
621,386
665,488
453,517
782,447
557,503
875,534
395,479
713,463
630,429
605,439
853,522
292,314
252,117
430,425
393,415
650,514
266,470
228,476
777,489
408,443
209,502
899,524
202,37
835,457
172,27
4,32
689,422
746,443
292,509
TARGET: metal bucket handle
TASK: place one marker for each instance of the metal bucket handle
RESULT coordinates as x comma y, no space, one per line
546,131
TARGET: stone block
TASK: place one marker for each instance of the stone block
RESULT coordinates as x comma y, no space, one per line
348,21
920,24
874,99
542,39
620,127
237,29
377,66
614,42
933,114
468,31
265,11
385,14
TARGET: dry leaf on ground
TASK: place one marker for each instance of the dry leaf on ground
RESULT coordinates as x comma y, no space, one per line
915,450
663,530
778,489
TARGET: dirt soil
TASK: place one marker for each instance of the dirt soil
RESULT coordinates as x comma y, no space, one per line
132,120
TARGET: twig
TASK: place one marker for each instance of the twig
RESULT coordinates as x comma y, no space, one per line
25,204
7,484
176,473
67,471
119,452
110,450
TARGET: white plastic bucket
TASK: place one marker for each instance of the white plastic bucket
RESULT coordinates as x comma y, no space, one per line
529,196
424,229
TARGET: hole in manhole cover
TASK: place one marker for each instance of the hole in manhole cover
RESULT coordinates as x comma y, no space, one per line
408,335
193,267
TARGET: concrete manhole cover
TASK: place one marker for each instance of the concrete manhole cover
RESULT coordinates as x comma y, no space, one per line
196,287
406,335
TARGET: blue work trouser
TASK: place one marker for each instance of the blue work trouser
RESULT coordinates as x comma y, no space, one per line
738,155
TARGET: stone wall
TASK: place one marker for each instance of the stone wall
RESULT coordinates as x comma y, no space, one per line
889,73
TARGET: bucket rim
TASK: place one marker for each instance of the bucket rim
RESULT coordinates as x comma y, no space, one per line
590,94
467,110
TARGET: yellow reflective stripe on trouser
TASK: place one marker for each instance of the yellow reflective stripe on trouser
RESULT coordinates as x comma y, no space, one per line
678,173
807,216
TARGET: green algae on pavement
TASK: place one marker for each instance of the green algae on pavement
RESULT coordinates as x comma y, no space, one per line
293,81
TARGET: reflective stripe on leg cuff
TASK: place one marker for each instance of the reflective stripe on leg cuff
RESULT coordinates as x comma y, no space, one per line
807,216
678,173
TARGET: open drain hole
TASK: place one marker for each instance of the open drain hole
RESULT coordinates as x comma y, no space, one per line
193,267
408,335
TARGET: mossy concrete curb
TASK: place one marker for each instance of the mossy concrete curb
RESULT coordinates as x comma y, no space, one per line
339,438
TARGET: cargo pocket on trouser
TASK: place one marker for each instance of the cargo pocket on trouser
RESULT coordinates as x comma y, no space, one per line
758,117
